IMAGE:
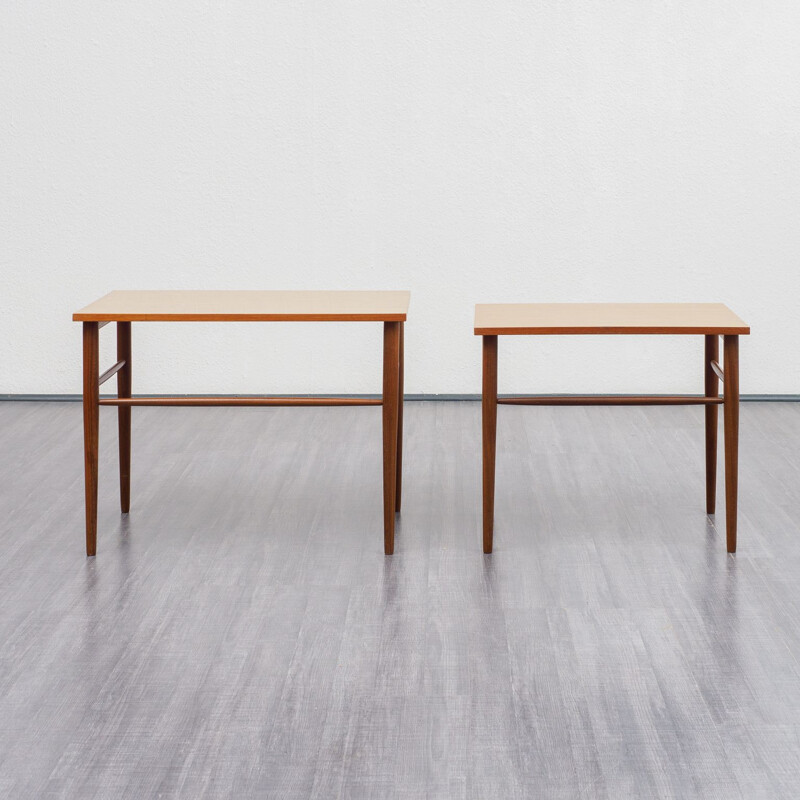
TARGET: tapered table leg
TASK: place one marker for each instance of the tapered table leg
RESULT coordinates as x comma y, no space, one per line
391,386
489,411
399,485
712,422
124,379
731,418
91,423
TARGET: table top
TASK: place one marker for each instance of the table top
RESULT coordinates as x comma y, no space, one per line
606,318
246,306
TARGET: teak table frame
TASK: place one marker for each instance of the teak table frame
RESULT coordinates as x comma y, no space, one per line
390,308
711,320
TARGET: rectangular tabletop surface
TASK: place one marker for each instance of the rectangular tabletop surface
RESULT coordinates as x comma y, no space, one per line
246,306
602,318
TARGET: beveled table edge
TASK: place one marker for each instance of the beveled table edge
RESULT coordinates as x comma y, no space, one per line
613,331
608,330
82,316
79,317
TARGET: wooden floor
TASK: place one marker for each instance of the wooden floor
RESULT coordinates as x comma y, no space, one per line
241,634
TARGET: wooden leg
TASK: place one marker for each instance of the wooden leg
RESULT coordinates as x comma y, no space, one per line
91,422
731,415
489,407
391,381
399,485
712,420
124,415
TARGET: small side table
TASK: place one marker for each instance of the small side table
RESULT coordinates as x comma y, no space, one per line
125,307
710,320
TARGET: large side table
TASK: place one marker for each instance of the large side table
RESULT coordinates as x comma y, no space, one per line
125,307
710,320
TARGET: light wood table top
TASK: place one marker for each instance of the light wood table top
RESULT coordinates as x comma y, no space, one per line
246,306
607,318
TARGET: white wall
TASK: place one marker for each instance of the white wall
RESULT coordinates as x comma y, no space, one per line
468,151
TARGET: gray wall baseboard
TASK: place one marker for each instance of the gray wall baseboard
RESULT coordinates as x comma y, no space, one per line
66,398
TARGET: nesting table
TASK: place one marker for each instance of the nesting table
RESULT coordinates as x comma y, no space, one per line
126,307
710,320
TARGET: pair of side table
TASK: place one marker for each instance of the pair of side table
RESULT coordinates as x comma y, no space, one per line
391,309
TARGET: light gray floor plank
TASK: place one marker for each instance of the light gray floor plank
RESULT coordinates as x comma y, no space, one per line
241,634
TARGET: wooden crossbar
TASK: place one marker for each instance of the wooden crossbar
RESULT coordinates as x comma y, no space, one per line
111,372
609,400
178,400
